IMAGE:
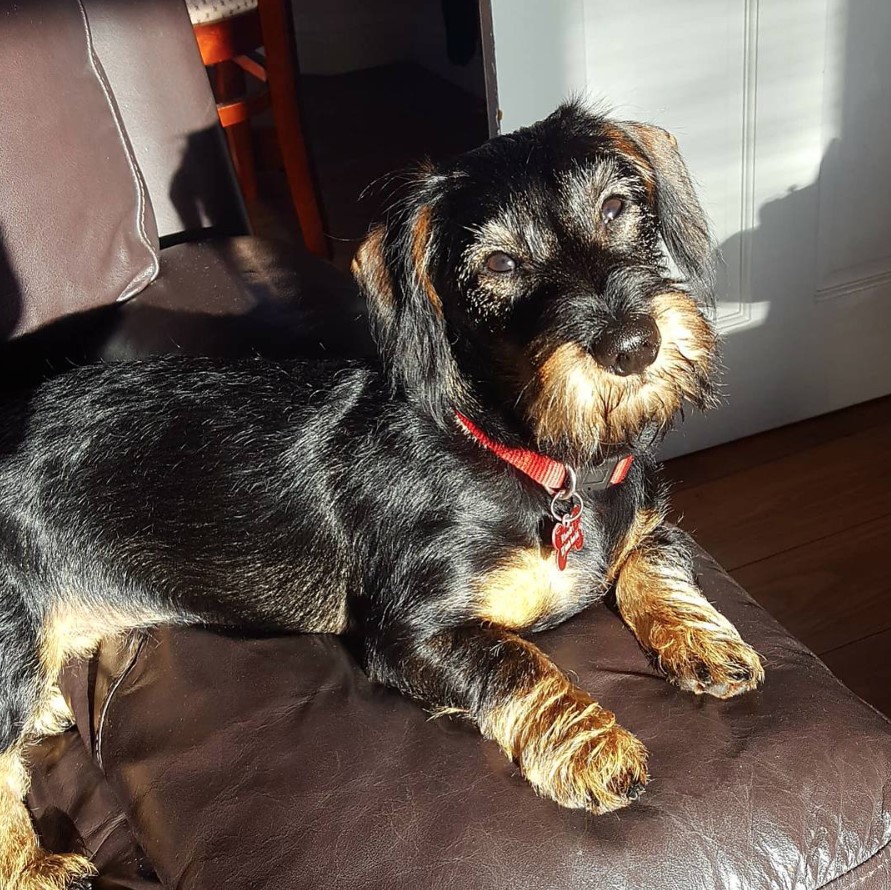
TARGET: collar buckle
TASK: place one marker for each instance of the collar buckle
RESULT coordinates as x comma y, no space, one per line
607,473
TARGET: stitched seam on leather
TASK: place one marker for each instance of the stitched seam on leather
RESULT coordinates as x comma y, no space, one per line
859,879
133,287
108,699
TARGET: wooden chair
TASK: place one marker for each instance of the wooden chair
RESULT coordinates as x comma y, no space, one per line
227,31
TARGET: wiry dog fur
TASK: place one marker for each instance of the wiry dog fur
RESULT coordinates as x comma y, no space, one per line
345,497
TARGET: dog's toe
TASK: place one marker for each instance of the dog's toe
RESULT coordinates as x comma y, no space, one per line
720,666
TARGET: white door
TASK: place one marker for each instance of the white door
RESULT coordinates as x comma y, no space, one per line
782,109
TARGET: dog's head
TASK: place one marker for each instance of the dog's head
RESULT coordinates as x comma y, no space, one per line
553,284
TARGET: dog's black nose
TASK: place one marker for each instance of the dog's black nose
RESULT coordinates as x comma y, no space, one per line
628,346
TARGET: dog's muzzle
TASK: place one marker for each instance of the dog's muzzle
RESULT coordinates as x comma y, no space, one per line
628,346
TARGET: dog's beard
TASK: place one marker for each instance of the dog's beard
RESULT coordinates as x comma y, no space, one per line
574,404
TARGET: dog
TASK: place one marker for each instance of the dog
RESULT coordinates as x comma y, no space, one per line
541,307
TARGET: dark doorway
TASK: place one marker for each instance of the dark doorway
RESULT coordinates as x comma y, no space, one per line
382,85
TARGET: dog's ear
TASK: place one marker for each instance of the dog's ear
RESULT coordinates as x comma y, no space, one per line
394,267
682,221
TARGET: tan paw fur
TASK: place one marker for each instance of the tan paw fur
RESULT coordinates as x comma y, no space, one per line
570,749
706,659
50,871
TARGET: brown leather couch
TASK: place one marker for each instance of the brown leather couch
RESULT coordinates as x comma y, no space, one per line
207,760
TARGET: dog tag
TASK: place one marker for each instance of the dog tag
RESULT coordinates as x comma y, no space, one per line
567,535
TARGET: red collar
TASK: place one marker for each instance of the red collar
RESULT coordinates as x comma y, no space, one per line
545,470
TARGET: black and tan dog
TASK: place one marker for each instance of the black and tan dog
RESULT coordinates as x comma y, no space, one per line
492,474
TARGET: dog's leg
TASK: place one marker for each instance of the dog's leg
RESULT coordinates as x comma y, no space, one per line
25,689
658,598
568,747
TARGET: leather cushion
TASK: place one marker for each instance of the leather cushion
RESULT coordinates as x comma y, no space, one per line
243,295
76,226
274,762
149,54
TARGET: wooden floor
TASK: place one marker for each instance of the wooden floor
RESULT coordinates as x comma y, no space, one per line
801,517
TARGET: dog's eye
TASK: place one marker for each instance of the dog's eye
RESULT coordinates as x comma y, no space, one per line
501,262
612,207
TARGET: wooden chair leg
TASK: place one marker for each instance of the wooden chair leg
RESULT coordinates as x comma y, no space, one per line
281,77
229,86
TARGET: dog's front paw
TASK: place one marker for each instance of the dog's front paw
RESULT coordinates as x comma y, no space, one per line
585,764
573,752
709,660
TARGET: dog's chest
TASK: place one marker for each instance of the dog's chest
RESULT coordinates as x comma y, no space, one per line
531,587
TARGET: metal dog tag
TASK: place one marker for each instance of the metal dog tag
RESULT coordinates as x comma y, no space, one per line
568,536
